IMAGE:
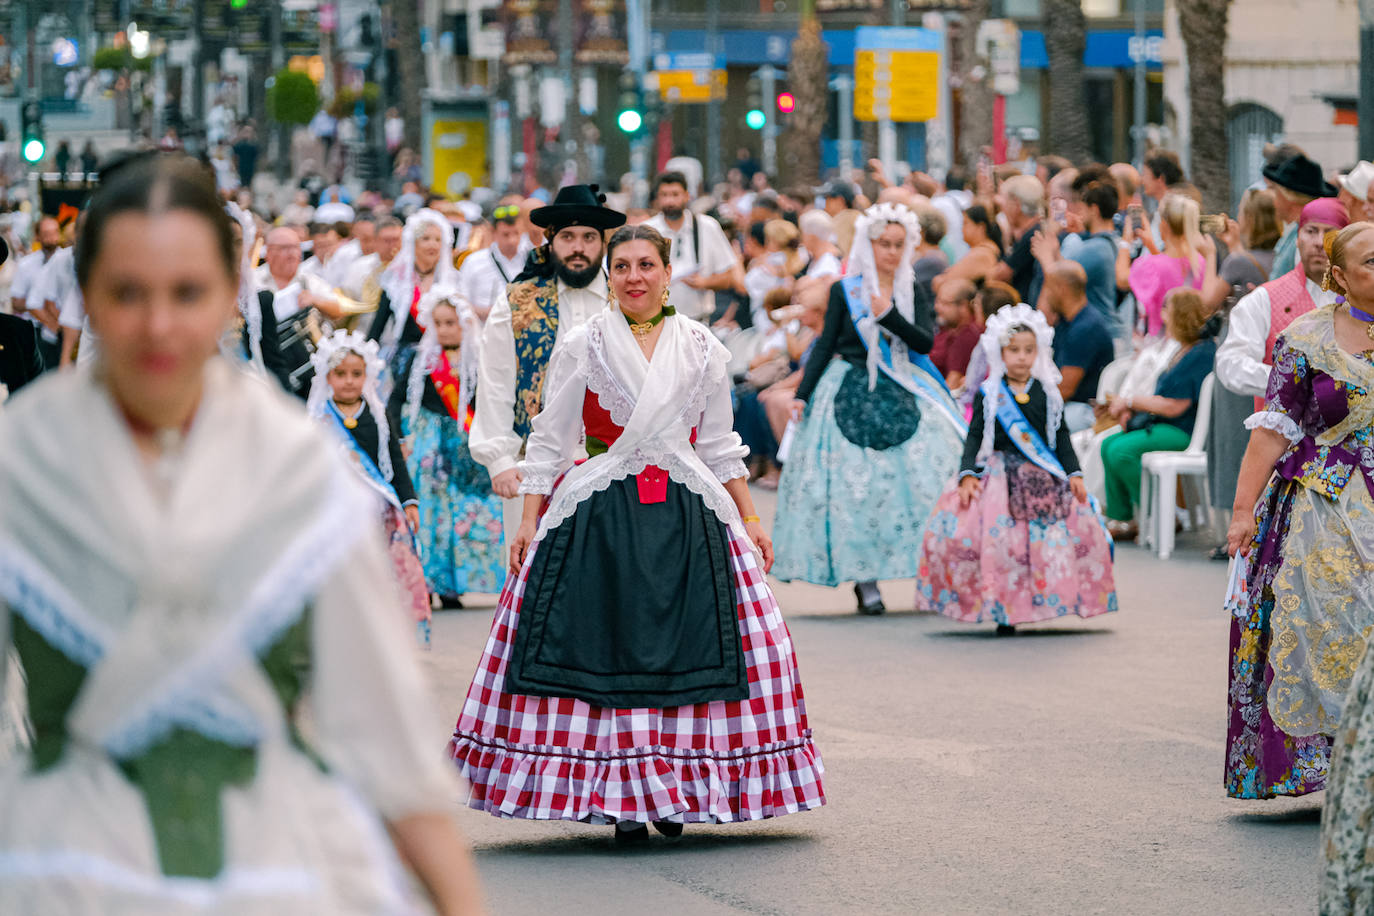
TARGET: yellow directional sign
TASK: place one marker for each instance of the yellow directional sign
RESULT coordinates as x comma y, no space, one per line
900,85
687,86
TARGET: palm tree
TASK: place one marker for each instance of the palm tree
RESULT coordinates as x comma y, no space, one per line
1065,36
808,78
405,15
975,95
1203,24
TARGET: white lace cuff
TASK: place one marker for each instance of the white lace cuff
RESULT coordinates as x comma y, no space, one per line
537,482
1279,423
727,469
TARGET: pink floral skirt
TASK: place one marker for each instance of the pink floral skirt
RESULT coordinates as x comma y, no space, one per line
410,572
1023,551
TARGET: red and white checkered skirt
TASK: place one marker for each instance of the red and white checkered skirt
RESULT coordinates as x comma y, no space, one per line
558,758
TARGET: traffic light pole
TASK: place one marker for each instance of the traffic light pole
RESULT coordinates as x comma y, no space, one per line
637,18
768,80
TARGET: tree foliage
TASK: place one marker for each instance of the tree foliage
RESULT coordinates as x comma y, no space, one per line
293,98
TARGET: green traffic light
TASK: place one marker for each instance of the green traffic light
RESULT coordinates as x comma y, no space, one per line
755,119
34,149
238,4
629,120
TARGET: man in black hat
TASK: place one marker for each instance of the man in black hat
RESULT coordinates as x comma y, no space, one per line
20,362
1296,181
563,284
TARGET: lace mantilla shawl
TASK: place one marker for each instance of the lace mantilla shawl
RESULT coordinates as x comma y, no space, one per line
582,354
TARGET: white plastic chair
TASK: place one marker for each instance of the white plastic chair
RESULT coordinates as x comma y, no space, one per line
1112,376
1160,473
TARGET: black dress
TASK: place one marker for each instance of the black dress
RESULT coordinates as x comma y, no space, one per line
366,434
1036,412
20,359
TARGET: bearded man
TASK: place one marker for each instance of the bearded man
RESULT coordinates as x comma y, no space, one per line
563,284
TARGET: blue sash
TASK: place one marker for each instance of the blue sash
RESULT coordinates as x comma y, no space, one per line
367,468
924,381
1027,438
1030,443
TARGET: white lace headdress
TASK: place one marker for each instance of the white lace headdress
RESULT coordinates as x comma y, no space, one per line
401,277
328,354
872,224
1001,326
249,306
429,353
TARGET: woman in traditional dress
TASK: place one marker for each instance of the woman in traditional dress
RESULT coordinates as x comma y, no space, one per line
638,668
425,262
1303,524
181,553
1015,539
460,517
1348,818
881,433
343,395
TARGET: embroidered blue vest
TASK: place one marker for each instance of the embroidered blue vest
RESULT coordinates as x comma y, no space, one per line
534,323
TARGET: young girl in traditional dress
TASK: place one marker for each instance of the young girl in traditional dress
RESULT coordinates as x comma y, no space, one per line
344,395
460,530
1015,538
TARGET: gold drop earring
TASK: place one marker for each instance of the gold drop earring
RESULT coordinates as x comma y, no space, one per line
663,300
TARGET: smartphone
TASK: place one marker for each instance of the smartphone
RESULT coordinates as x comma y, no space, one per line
1059,208
1135,214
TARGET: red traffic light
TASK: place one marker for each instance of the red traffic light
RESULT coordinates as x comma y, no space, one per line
787,103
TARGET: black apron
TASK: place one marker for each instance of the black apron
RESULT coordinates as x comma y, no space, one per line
631,605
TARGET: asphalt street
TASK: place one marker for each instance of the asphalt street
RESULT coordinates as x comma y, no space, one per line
1074,768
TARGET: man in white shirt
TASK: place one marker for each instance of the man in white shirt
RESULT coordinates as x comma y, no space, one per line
486,274
26,275
328,265
563,286
384,243
702,259
57,292
281,277
1256,321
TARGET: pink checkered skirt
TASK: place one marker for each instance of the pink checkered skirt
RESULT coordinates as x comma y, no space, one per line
557,758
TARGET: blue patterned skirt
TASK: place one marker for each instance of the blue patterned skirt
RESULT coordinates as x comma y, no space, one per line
851,512
460,517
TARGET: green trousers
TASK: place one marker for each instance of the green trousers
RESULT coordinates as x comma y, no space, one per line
1121,463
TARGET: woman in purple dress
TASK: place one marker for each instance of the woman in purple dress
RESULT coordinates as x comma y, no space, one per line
1303,525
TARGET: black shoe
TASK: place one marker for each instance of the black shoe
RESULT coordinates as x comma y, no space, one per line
1006,629
451,602
869,598
668,828
632,837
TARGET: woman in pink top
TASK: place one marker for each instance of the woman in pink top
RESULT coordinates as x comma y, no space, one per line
1188,258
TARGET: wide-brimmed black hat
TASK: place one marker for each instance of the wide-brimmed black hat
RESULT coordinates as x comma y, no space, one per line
1301,176
578,205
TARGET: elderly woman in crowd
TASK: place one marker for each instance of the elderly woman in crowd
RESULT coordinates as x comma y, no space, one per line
1160,422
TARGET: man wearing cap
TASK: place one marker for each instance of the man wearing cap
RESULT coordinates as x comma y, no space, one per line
1354,190
486,274
1296,181
563,284
1258,319
20,361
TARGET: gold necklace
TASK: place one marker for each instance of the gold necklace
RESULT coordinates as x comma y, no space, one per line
1022,397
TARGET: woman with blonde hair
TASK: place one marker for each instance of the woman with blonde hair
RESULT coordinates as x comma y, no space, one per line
1303,590
1188,258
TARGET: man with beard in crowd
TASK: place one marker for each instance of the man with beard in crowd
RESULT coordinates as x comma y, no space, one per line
702,260
563,284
